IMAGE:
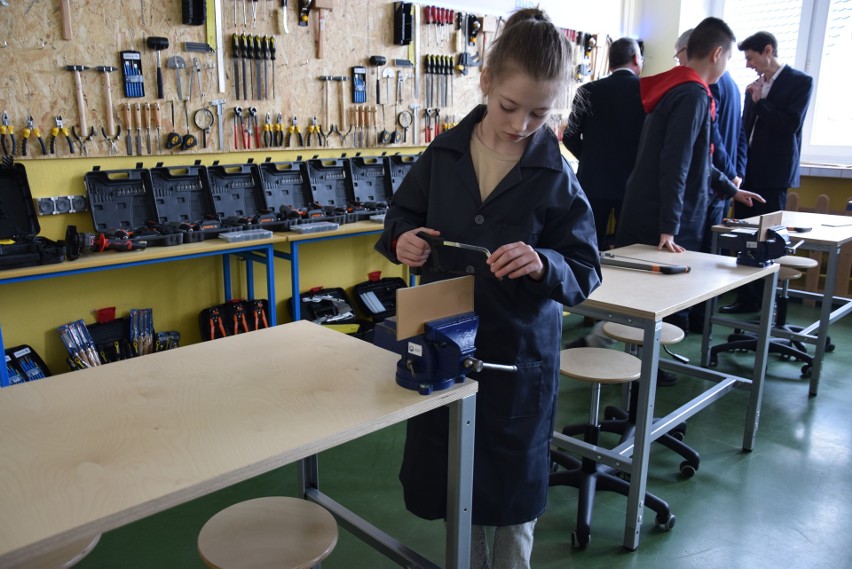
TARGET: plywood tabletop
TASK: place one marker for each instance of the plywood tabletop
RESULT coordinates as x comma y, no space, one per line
826,229
88,451
650,295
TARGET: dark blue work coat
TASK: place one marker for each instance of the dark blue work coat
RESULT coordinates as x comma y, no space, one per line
540,203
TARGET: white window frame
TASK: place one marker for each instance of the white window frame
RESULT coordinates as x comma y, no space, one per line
808,58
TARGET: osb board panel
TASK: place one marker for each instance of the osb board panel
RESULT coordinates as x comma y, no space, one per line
33,56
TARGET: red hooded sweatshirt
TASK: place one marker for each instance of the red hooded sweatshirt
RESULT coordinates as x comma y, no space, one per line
654,88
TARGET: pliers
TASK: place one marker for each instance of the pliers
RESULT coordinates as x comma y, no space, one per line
8,130
294,129
315,128
84,138
267,131
30,130
56,131
278,132
254,126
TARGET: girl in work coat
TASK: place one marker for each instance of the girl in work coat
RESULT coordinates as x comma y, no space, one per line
538,224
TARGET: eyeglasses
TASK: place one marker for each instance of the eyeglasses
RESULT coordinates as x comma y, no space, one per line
678,53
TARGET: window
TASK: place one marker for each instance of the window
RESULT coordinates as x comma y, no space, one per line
813,36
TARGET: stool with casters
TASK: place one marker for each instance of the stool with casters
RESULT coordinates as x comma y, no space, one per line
598,366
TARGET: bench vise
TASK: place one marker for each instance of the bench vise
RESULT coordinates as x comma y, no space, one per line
752,251
438,358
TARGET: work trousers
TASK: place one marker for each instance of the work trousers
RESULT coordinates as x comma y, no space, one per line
512,546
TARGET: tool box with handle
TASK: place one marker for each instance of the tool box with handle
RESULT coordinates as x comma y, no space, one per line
329,307
236,316
286,192
182,201
329,180
376,296
369,183
236,193
398,166
122,206
20,244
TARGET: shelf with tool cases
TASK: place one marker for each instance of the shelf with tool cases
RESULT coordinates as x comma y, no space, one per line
285,189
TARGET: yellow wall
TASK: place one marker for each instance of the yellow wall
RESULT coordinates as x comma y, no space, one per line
839,191
177,291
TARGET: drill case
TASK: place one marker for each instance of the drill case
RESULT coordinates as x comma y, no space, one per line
19,223
330,186
369,183
327,306
236,194
182,201
376,297
398,166
122,206
285,191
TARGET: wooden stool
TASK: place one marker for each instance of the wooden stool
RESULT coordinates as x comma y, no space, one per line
64,557
598,366
275,531
791,267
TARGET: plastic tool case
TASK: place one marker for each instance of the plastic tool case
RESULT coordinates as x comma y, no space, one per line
237,197
19,224
370,183
122,204
330,182
398,166
182,201
286,192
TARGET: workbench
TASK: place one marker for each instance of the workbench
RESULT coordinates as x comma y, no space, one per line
642,299
85,452
260,251
828,234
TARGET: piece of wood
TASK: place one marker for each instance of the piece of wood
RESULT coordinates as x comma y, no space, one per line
65,9
420,304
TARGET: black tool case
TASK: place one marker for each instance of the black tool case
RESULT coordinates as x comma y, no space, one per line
237,197
326,306
19,223
182,201
329,180
369,183
286,192
398,166
377,297
122,205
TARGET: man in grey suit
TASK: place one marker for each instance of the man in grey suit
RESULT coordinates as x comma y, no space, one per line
773,115
603,132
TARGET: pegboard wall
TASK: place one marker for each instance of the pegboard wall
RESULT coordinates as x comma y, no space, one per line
36,83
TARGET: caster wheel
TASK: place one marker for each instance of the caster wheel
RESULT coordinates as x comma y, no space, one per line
714,361
807,370
578,541
677,435
688,470
666,522
829,348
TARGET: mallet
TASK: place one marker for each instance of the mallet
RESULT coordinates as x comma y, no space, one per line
158,44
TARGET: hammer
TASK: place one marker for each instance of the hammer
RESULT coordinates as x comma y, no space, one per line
81,101
106,70
377,61
158,44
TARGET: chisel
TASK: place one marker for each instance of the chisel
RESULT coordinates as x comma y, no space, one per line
138,113
128,125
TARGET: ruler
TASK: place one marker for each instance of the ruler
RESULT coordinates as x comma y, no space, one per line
214,38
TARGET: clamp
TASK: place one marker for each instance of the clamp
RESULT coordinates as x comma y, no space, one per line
293,129
315,128
60,128
29,130
8,130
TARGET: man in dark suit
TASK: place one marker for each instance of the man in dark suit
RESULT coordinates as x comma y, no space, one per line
773,115
603,132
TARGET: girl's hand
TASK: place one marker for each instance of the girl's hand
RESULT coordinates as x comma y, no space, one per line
516,260
411,250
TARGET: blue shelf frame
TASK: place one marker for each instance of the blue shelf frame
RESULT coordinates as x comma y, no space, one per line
263,253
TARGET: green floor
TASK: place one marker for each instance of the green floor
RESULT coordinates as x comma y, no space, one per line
785,504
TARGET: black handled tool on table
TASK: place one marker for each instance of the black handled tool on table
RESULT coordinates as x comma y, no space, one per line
642,265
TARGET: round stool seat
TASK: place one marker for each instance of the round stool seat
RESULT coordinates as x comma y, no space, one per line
788,273
65,557
797,262
669,334
274,531
599,365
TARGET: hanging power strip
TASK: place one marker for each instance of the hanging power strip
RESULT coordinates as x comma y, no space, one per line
58,205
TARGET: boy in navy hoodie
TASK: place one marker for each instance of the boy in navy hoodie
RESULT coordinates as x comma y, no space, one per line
666,196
